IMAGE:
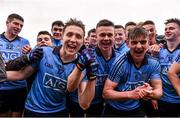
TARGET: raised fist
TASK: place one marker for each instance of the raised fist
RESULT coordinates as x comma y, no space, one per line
35,55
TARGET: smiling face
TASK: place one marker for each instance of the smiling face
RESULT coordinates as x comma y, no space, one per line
119,36
105,37
57,31
44,40
138,44
150,28
72,38
172,32
14,26
138,48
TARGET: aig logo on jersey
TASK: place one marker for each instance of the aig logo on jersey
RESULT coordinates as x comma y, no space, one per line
10,55
54,82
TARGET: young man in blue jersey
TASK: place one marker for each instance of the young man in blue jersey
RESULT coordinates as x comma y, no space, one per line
169,104
150,106
93,104
173,74
56,29
130,78
128,26
120,45
47,96
92,38
12,94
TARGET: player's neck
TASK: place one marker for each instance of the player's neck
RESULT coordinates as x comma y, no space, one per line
172,45
107,54
67,57
9,36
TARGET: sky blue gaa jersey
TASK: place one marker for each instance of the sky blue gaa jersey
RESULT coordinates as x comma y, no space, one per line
57,42
48,91
102,74
166,58
178,59
11,50
123,48
128,77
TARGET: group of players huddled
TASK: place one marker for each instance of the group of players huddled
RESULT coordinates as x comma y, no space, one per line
115,71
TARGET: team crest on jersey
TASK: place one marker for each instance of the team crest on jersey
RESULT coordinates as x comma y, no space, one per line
18,47
9,55
54,82
9,46
60,69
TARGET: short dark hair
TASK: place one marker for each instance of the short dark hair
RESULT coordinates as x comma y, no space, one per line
148,22
58,23
74,22
91,31
173,20
137,32
104,22
44,33
119,26
16,16
130,23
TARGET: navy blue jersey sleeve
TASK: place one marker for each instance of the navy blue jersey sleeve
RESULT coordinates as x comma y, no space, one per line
117,69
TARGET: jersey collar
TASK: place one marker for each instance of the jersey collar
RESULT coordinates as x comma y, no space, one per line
130,59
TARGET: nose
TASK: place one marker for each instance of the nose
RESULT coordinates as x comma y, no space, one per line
73,38
106,38
139,45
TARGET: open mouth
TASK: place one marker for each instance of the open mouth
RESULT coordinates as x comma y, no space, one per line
139,51
71,47
106,42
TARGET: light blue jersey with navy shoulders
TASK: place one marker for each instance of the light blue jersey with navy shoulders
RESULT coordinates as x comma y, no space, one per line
49,89
11,50
123,48
178,59
166,59
102,74
128,77
57,42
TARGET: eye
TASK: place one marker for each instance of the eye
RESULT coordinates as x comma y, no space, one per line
143,42
78,36
102,34
109,34
69,34
39,39
46,39
134,42
151,30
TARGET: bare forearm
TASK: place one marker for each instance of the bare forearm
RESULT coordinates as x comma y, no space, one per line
86,97
175,80
116,95
74,79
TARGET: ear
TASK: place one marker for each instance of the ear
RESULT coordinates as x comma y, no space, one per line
128,43
7,22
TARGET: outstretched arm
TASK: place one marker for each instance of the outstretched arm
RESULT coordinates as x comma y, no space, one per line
21,74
